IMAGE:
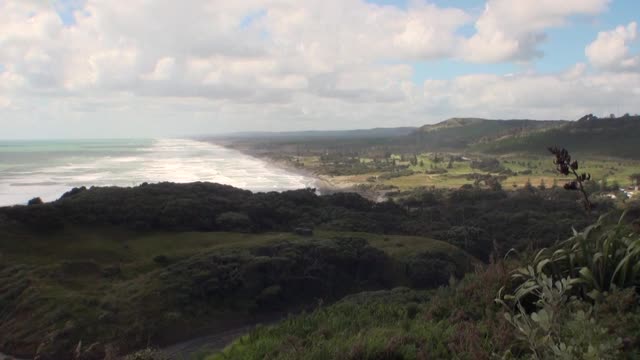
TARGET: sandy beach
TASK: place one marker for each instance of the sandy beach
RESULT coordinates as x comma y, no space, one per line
325,184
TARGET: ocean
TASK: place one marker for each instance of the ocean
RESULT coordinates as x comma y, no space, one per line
47,169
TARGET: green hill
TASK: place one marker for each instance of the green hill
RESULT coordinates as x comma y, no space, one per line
460,133
616,137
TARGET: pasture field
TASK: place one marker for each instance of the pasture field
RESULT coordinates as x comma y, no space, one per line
435,170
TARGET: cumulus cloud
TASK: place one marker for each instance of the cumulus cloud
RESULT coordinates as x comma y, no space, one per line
512,29
538,96
250,51
233,65
610,50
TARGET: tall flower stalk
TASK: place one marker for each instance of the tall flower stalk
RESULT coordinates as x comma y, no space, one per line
565,166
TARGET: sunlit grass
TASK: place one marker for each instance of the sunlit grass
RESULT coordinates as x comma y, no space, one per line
536,170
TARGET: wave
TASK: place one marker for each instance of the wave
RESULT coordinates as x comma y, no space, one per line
174,160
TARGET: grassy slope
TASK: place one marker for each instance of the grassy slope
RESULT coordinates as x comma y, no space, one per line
361,323
66,289
460,322
603,137
459,133
136,250
541,167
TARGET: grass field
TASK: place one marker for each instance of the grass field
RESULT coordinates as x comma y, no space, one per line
108,246
536,170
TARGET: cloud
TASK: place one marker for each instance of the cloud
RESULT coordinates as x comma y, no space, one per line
512,29
566,95
335,48
281,64
164,70
4,102
610,50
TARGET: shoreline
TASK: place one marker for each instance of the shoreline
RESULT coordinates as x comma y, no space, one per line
325,184
19,193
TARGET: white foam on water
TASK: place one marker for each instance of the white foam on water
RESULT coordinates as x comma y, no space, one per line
174,160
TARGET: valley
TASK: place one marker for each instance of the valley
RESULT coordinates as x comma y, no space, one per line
454,153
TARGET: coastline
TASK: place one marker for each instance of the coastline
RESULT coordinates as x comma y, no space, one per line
325,184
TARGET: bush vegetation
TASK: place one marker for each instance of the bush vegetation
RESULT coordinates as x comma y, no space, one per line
479,220
541,312
78,269
122,289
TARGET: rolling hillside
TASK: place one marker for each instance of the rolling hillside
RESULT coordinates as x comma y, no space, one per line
460,133
125,268
616,137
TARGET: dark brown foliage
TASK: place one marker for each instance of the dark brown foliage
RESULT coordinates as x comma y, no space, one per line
565,166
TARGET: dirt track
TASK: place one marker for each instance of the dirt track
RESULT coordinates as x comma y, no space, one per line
209,343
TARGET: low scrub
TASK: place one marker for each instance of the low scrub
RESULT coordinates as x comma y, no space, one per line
48,310
563,303
542,312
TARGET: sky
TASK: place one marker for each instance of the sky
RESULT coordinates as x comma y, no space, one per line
162,68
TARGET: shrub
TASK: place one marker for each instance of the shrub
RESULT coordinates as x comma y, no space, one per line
561,326
427,270
396,174
161,260
35,201
233,221
436,171
601,257
489,165
554,309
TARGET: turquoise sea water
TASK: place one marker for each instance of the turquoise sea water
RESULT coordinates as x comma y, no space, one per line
49,168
